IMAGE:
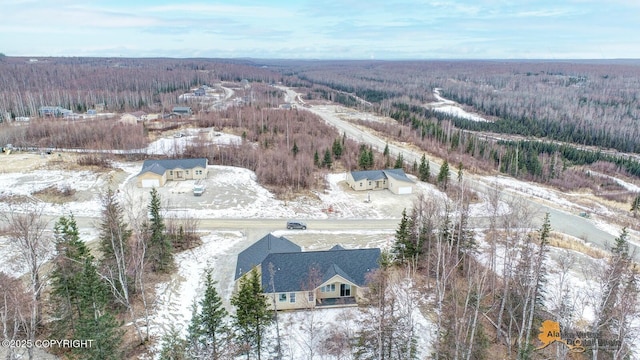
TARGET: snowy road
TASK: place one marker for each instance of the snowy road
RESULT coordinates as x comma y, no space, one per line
562,220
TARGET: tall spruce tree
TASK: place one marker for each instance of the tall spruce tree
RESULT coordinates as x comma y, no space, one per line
337,148
66,277
635,205
363,158
160,249
424,173
114,232
399,162
208,331
173,346
327,161
443,175
252,316
95,321
404,248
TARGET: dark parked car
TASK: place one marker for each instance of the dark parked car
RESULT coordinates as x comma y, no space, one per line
292,224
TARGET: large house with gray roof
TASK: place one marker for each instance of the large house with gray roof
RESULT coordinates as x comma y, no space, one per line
155,173
255,254
393,179
302,280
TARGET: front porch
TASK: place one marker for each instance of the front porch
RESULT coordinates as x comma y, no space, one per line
345,301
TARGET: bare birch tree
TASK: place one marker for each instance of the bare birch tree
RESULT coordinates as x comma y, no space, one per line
26,232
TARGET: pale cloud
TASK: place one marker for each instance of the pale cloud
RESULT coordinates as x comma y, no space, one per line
322,28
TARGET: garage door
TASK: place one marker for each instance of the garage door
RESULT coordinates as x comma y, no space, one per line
149,183
404,190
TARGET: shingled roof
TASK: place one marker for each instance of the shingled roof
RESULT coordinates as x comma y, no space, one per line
256,253
373,175
160,166
293,269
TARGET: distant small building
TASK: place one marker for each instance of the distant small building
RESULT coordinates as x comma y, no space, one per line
92,112
155,173
128,119
182,110
201,91
393,179
54,111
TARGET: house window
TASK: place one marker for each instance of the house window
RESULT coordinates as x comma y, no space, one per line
171,173
345,290
369,183
310,294
198,172
328,288
282,297
292,297
187,172
360,184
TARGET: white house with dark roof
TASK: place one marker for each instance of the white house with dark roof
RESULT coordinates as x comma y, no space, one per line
301,280
258,251
182,110
393,179
155,173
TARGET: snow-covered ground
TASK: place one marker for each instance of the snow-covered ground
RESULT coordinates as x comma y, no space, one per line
452,108
171,146
172,306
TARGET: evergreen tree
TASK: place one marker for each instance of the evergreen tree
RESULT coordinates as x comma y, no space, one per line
414,167
363,158
337,149
404,249
370,161
443,175
252,316
114,232
327,161
71,253
208,331
399,162
460,172
385,153
160,250
295,149
316,159
173,346
635,205
95,321
423,170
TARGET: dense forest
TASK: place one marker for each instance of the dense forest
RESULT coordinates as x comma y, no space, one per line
119,85
565,113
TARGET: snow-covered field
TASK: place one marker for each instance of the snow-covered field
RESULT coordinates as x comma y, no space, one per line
452,108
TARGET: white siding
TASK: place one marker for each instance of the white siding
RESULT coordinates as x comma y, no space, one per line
149,183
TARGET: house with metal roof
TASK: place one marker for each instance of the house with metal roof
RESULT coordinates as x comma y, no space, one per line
256,253
293,279
393,179
155,173
182,110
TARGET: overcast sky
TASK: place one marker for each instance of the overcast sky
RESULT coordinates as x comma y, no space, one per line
323,29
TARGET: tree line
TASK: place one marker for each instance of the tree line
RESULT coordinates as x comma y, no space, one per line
489,292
